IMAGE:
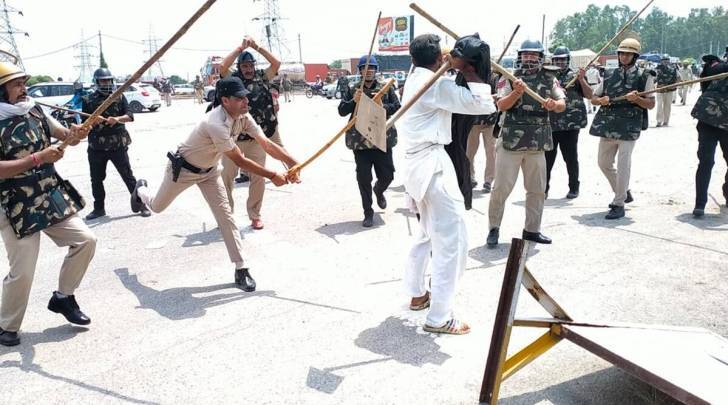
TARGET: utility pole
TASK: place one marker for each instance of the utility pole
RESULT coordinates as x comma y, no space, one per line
152,47
300,55
543,31
7,38
85,66
273,31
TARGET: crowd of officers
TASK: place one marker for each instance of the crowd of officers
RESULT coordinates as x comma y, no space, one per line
241,129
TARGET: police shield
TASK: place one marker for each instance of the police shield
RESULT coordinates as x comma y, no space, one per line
371,122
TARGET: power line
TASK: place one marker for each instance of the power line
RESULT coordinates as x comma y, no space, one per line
7,37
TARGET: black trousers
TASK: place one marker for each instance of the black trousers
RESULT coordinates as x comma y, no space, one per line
708,139
383,166
566,141
97,160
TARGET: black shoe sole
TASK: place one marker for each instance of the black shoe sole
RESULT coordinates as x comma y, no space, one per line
9,343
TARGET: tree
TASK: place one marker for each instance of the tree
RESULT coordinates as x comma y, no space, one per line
174,79
335,64
102,61
39,79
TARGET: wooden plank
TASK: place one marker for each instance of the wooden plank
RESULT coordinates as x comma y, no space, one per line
503,323
684,364
543,298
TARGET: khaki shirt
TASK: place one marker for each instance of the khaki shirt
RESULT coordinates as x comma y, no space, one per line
215,135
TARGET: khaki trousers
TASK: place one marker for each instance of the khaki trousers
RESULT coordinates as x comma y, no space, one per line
664,105
252,150
488,144
23,256
210,184
618,178
507,166
198,96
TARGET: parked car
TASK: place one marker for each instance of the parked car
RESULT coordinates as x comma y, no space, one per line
142,96
54,93
209,93
184,90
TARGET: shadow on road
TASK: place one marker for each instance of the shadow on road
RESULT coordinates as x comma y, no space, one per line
56,334
347,228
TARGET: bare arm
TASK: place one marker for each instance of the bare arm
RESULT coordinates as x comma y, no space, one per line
248,42
11,168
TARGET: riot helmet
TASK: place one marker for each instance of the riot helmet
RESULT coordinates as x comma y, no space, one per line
530,46
561,57
108,85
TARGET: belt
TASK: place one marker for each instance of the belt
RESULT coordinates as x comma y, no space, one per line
187,165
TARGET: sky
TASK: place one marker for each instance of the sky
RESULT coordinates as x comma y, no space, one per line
329,30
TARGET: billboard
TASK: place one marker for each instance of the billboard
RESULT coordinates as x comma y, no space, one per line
395,33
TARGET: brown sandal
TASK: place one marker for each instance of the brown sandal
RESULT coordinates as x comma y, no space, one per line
420,303
451,327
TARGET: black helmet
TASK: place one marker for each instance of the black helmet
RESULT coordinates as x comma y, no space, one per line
530,45
246,57
561,52
104,74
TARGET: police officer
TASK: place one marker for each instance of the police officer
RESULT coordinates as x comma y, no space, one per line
565,126
257,82
685,74
35,198
711,111
666,75
366,155
524,137
109,141
619,124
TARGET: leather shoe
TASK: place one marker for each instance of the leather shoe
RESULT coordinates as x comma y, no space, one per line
244,280
615,212
572,194
486,187
381,201
8,338
95,214
145,212
68,307
493,235
243,178
368,221
629,198
698,212
537,237
136,202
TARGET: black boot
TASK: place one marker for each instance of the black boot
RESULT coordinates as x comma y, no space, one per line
244,280
136,202
629,198
572,194
95,214
68,307
243,178
368,221
493,235
615,212
537,237
381,201
8,338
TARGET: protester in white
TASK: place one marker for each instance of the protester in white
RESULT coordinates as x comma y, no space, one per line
685,74
430,180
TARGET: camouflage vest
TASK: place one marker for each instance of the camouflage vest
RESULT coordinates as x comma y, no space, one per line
353,138
260,103
104,137
38,198
526,125
575,115
621,120
712,106
666,75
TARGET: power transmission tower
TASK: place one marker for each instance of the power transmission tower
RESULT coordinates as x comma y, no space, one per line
151,46
273,31
7,35
85,60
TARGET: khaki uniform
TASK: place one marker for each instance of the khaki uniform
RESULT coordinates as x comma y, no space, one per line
486,132
252,150
212,137
524,138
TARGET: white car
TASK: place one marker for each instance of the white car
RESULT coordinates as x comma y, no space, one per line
139,96
54,93
142,96
184,90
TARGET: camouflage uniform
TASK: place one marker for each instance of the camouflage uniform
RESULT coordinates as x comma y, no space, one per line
367,155
32,201
565,128
711,111
666,74
262,109
108,144
524,137
619,126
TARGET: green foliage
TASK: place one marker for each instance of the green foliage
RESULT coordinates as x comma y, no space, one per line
700,32
335,65
39,79
102,61
174,79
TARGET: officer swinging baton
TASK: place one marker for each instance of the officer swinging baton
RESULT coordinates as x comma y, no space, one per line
604,48
120,90
498,68
673,86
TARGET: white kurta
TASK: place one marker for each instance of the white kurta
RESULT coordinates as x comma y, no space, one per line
429,179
